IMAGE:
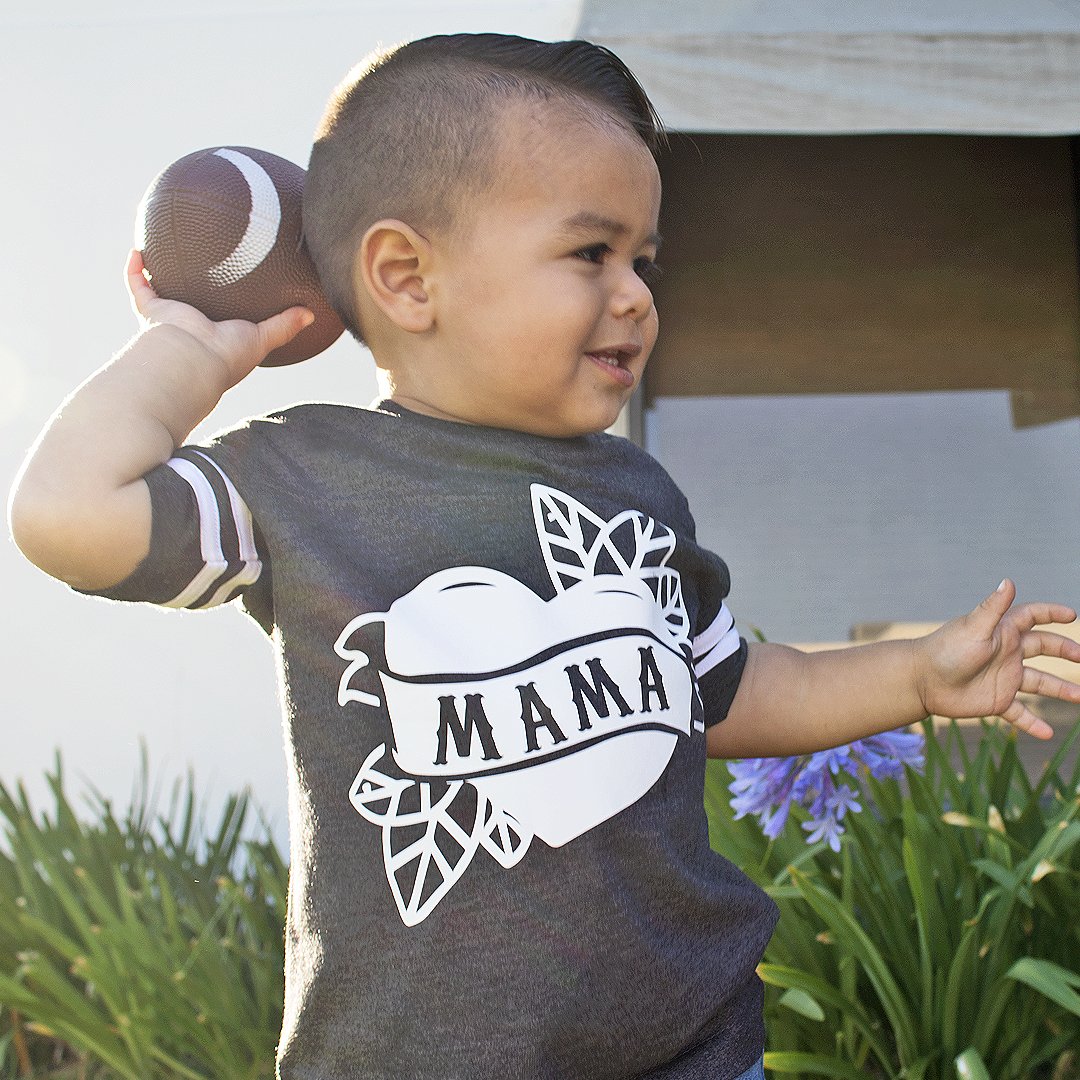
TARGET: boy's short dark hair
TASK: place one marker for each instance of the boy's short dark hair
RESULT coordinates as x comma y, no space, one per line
411,131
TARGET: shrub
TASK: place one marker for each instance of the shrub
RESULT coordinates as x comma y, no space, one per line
139,947
942,940
939,942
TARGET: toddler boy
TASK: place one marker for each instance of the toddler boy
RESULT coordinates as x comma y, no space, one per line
505,657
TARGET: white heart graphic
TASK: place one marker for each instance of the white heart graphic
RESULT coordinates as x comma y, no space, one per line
560,713
561,771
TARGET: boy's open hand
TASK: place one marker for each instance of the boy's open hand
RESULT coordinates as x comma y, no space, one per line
973,665
240,346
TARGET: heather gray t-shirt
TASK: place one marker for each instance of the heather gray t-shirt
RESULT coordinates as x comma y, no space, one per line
499,655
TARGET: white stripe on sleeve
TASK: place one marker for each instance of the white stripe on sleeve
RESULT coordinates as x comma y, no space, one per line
210,525
716,643
241,515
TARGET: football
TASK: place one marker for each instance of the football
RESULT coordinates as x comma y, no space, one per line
221,229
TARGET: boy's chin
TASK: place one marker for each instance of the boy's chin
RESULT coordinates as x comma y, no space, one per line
591,418
552,424
567,428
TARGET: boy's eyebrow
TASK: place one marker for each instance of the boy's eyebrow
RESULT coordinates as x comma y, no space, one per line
587,221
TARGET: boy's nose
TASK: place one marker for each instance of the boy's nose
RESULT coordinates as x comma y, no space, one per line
632,296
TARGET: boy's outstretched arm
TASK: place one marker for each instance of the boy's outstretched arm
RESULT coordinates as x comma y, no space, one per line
80,509
790,702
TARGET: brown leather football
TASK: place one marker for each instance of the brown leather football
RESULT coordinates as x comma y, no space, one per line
220,229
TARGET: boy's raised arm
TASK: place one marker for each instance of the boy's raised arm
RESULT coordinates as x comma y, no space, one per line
80,509
790,702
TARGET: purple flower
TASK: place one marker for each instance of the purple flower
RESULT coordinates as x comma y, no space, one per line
827,828
768,787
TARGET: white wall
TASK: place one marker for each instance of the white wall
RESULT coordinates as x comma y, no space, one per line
833,510
97,98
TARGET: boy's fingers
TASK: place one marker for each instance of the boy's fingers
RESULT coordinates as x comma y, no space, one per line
140,290
994,608
1044,643
1045,614
1034,681
989,613
280,329
134,266
1024,719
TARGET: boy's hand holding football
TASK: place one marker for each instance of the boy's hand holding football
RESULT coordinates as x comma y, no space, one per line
239,346
974,665
80,509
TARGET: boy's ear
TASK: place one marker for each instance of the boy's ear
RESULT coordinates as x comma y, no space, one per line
391,265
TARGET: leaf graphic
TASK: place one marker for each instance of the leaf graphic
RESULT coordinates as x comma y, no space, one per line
578,544
422,869
668,588
371,789
574,540
504,838
436,873
567,532
652,544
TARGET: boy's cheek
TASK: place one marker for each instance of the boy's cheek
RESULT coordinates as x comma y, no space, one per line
650,333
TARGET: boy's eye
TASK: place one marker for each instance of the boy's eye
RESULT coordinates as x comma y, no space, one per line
595,253
648,270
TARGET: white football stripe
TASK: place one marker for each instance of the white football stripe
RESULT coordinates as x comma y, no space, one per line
241,514
723,622
245,532
213,556
716,643
724,648
209,534
247,576
264,221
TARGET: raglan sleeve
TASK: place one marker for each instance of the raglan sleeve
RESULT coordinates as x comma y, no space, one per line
719,651
206,547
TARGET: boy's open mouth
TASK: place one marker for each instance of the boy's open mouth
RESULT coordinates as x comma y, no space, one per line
615,360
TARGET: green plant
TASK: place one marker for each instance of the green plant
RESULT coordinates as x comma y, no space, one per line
939,943
139,947
942,939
